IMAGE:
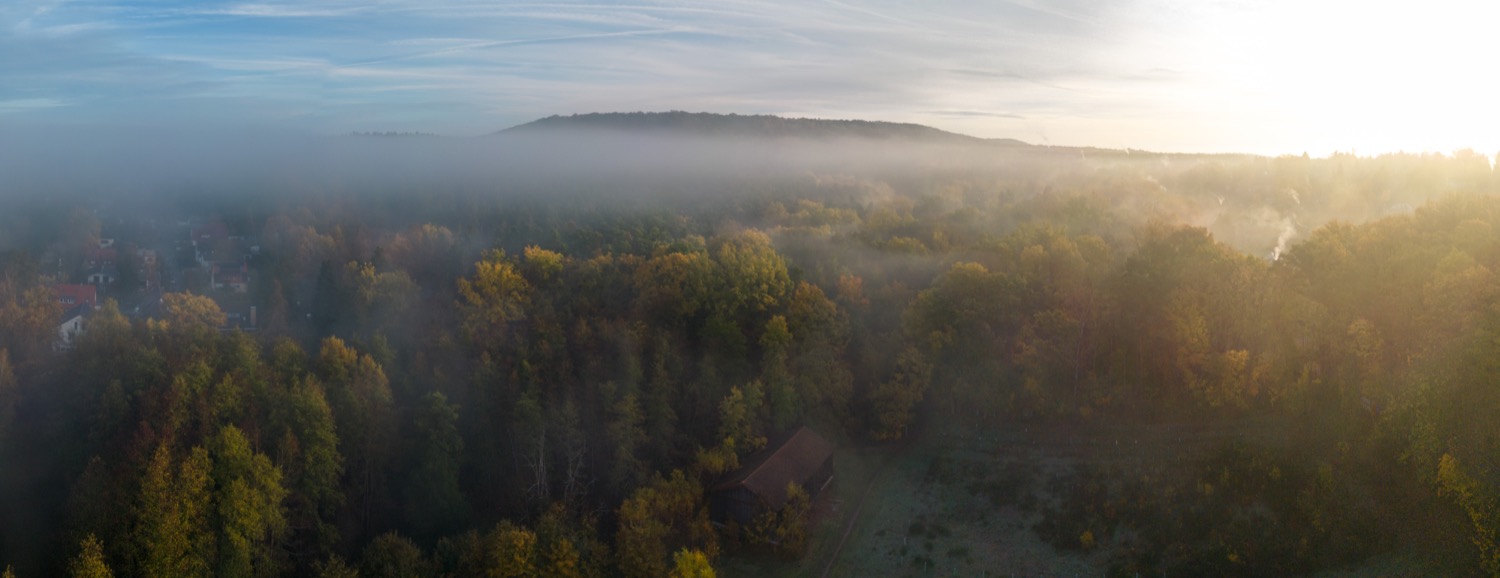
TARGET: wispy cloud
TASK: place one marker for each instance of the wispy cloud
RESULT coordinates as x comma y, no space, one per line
282,11
833,57
1143,73
25,104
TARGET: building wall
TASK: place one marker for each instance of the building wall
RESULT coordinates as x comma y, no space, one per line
68,331
737,504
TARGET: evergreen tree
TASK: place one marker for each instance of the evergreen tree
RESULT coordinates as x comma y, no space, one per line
434,505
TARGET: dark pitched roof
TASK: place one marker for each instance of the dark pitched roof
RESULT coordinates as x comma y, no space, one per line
75,311
767,472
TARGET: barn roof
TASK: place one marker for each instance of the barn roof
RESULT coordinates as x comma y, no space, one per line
767,472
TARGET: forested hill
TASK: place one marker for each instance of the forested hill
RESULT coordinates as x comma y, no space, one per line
736,125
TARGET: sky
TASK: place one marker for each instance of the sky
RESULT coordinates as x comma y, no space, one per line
1262,76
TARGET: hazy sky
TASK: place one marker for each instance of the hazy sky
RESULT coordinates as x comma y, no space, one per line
1271,76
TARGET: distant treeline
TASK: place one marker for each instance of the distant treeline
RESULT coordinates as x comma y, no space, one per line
742,126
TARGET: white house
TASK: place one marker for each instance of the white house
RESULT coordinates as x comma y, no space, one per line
70,327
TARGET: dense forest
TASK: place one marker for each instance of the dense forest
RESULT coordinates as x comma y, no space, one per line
543,375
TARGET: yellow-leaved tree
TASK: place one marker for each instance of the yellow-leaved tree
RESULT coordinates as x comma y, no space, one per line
691,564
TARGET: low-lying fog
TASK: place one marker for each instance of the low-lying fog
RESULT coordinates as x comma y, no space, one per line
1255,203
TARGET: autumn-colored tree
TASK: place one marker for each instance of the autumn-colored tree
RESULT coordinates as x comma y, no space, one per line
675,287
820,335
567,545
894,401
541,265
186,312
964,311
89,563
1046,351
249,509
512,552
783,404
560,559
429,253
752,275
640,541
791,535
737,419
1479,502
173,516
691,564
308,454
492,300
658,518
28,320
334,567
391,555
377,302
783,529
360,399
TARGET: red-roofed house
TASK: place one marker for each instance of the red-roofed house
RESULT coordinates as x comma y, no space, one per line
72,295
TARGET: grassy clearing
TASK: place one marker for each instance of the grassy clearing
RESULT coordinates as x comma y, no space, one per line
1076,502
940,512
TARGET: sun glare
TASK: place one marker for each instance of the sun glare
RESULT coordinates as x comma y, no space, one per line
1370,77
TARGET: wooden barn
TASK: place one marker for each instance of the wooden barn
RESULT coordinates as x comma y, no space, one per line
804,457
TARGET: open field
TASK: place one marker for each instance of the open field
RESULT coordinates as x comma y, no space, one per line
1008,504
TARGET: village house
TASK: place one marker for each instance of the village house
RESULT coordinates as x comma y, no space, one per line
100,257
150,273
230,276
73,295
237,321
70,326
804,458
103,276
207,238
